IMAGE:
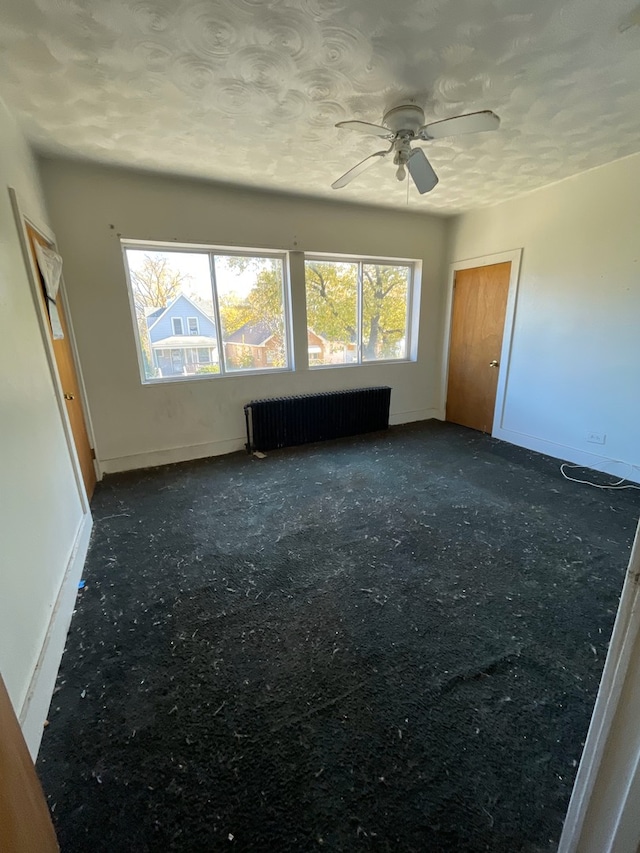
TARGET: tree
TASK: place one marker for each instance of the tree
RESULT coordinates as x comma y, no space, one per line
332,300
262,306
384,309
234,312
332,292
332,303
155,283
263,303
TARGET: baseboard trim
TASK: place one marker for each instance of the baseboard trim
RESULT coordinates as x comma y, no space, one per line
155,458
36,704
598,462
397,418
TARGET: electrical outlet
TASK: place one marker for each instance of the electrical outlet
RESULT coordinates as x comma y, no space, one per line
596,437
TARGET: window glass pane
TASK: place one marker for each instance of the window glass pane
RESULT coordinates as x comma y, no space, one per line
194,326
332,317
168,288
251,302
384,311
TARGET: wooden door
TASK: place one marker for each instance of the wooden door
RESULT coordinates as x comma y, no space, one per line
25,825
477,324
68,378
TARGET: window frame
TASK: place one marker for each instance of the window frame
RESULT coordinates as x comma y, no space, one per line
197,331
212,251
362,261
173,327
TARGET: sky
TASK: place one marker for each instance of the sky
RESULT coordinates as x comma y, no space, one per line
196,266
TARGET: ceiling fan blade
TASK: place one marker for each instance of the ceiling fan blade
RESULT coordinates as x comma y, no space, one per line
469,123
366,127
362,166
421,171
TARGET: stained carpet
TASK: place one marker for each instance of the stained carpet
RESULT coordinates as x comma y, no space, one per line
390,643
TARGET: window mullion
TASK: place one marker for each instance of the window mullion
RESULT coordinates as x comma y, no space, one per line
409,313
216,311
359,313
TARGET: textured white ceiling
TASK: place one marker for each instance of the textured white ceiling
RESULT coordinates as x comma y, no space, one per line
248,92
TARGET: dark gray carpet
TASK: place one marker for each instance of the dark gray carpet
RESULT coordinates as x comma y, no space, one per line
390,643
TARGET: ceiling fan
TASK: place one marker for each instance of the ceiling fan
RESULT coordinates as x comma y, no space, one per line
405,124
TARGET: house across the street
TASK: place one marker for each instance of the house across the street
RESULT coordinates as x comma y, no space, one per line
182,338
258,345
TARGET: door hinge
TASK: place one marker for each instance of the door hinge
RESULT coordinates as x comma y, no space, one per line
93,453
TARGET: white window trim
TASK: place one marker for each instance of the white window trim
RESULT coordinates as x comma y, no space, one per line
197,322
173,326
362,260
212,251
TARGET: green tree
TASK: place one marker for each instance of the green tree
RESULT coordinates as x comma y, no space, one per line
332,298
263,303
332,304
243,358
234,312
384,309
262,306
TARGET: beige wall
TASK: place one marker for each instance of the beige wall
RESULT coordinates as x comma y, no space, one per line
575,352
575,360
40,509
138,425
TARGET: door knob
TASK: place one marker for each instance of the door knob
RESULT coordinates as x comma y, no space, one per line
494,363
69,397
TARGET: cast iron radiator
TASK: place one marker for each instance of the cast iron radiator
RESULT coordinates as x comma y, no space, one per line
286,421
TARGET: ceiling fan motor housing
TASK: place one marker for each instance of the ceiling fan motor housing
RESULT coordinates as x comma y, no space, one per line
408,117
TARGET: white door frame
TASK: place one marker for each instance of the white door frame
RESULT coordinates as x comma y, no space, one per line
604,810
43,321
38,697
514,256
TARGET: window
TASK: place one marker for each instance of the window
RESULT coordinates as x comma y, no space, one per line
252,312
232,302
357,310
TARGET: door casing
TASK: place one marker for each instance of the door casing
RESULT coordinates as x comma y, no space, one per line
43,322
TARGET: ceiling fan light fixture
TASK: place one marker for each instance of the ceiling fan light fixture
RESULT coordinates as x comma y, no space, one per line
401,172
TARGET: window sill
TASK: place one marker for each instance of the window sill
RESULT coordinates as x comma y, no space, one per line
381,361
171,380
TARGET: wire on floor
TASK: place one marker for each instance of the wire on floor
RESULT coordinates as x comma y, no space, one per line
618,485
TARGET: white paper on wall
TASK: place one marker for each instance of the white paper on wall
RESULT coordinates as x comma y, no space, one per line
50,264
